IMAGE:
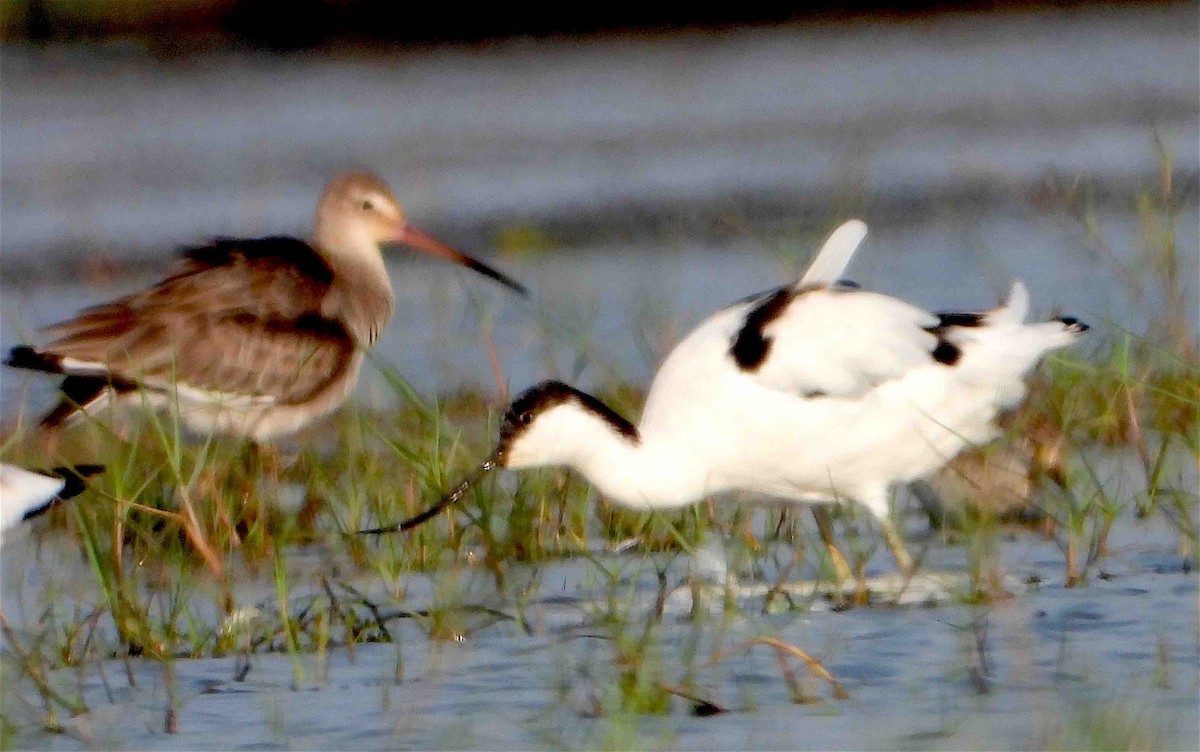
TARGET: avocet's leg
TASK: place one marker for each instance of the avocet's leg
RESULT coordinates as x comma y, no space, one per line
825,528
904,562
877,501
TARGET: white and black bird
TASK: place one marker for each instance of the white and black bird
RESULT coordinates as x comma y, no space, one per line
815,392
254,338
25,494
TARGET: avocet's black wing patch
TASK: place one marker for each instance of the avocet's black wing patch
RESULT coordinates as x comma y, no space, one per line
751,344
947,352
966,320
833,341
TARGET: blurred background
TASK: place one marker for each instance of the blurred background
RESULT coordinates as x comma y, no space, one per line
637,168
282,25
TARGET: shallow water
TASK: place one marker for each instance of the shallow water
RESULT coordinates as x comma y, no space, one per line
1115,658
1022,673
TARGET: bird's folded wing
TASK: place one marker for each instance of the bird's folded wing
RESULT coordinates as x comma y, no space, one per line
249,326
840,343
286,361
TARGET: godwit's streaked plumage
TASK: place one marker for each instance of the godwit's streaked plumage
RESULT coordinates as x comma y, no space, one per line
249,337
814,392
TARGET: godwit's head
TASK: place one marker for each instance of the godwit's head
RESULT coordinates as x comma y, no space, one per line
358,208
358,213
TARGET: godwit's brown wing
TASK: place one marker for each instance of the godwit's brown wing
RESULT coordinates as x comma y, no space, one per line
237,321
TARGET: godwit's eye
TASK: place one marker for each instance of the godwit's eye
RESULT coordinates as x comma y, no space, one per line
367,205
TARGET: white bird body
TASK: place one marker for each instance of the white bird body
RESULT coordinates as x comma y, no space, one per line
832,393
23,493
757,431
816,392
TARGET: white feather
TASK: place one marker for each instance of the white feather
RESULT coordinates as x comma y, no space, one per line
1016,309
843,343
835,254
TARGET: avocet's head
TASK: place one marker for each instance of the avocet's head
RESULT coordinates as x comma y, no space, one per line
549,424
358,213
552,423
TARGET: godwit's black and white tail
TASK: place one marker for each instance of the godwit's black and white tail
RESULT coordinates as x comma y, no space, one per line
84,390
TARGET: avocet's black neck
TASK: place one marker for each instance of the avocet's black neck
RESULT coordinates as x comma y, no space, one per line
534,401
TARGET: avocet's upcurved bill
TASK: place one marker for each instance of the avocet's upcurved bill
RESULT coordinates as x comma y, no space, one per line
25,494
249,337
815,392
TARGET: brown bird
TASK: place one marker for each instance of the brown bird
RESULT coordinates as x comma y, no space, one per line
1004,482
254,338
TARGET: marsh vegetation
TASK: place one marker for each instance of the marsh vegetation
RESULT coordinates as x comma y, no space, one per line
189,550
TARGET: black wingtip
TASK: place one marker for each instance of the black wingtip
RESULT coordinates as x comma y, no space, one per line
24,356
1073,324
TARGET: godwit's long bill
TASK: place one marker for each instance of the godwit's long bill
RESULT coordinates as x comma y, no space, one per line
814,392
249,337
